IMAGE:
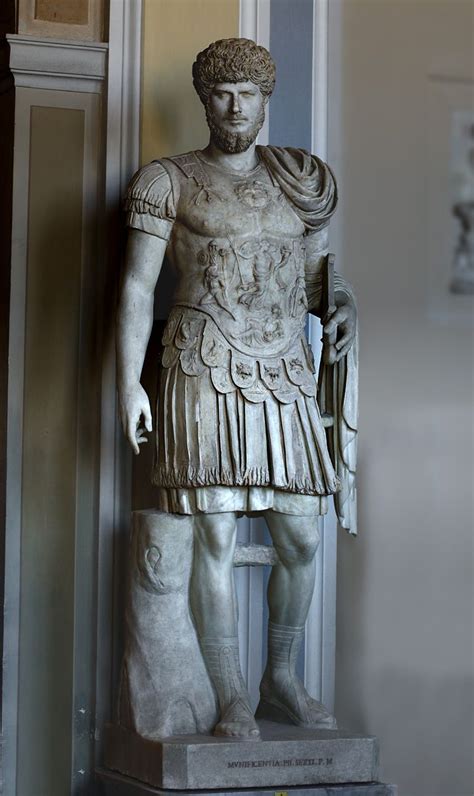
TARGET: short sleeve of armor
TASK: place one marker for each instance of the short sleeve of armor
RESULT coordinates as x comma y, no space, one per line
150,202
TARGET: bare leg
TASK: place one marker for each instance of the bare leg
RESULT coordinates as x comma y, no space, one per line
291,584
290,589
214,609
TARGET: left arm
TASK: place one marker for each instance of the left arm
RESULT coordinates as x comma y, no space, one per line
344,319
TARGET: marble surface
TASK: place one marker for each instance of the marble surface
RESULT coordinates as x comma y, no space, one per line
165,688
118,785
289,755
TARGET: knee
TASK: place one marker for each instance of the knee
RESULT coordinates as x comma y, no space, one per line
214,536
300,549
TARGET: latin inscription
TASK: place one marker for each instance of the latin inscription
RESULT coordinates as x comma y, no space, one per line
292,762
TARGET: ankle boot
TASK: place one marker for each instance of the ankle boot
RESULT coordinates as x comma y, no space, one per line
283,697
221,656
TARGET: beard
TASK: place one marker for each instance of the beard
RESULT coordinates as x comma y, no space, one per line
233,143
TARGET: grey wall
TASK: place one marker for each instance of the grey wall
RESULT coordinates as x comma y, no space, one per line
405,587
291,46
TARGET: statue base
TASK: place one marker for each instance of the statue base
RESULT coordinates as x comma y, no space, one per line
118,785
285,756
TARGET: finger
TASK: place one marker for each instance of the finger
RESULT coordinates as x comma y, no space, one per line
131,436
329,328
141,440
344,351
338,318
341,315
347,338
124,420
146,411
328,315
329,355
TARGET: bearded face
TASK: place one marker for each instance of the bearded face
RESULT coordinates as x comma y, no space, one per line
235,113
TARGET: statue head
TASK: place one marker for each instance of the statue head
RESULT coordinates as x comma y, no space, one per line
234,79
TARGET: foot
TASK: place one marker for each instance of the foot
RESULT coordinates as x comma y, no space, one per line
237,721
285,699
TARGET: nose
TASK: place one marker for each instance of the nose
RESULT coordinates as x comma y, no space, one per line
235,104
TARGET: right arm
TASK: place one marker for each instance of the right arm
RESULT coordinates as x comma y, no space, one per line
143,261
151,210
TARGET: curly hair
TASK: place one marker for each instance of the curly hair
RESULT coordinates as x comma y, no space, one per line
233,61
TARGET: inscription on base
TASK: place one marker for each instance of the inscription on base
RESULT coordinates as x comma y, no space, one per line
292,762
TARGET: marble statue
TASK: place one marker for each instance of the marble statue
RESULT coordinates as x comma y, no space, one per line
238,429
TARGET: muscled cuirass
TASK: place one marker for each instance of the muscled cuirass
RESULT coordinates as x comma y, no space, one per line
238,250
237,394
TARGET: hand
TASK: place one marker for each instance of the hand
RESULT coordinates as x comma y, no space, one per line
134,405
339,328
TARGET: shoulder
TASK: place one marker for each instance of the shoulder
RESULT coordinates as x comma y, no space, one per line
298,162
150,183
307,182
151,200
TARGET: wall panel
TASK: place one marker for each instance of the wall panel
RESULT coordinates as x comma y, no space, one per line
173,33
50,449
52,442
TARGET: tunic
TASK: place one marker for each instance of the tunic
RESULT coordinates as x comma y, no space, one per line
238,427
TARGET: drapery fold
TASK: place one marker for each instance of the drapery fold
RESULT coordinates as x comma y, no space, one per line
338,387
307,182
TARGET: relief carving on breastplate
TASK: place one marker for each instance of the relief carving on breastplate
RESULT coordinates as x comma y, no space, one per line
243,371
255,194
263,331
207,194
272,374
214,352
298,302
188,338
198,344
254,289
267,261
216,276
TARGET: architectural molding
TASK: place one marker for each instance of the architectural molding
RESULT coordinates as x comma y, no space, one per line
320,636
254,21
57,64
122,153
319,120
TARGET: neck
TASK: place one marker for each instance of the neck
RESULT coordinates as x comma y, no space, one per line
238,162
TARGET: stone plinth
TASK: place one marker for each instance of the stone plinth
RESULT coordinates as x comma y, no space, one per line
285,756
118,785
